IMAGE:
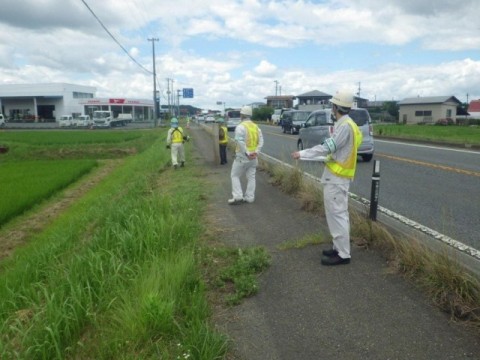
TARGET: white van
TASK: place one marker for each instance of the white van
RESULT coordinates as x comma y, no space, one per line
65,121
83,120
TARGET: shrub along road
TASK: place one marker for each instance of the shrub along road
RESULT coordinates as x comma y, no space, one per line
307,311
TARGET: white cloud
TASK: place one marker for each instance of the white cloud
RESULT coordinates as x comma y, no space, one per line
234,50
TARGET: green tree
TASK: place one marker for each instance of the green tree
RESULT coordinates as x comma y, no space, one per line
263,113
391,107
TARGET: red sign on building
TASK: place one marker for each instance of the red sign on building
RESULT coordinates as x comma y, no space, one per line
116,101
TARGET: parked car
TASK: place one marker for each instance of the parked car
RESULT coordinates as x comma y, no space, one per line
319,126
65,121
83,120
292,120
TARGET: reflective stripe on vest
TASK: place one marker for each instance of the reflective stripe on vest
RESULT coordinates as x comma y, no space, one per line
347,168
251,139
225,139
177,135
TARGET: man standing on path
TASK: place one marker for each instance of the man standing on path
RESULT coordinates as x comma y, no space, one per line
175,140
249,142
222,140
340,152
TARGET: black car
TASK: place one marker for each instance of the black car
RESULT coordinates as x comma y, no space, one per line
292,120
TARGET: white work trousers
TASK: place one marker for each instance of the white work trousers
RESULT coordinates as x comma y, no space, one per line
239,169
177,152
335,197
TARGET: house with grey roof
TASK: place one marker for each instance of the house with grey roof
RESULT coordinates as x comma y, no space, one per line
313,100
428,110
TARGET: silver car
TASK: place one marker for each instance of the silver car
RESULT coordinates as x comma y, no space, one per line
319,126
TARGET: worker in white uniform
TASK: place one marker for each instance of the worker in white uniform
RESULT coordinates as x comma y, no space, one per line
339,153
249,142
175,139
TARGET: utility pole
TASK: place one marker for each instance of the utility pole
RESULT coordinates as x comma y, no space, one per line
155,97
168,95
276,87
178,102
358,93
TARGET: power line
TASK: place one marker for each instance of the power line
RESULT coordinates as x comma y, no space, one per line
114,39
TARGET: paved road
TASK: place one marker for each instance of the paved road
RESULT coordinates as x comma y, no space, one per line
435,186
306,311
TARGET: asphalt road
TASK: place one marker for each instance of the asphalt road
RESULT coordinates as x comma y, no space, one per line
438,187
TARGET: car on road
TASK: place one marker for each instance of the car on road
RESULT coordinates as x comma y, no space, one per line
292,120
319,126
209,119
232,119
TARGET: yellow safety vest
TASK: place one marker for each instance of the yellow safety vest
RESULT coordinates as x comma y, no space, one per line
177,135
251,139
225,139
347,168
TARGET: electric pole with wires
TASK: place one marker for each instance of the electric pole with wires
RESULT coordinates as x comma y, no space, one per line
155,96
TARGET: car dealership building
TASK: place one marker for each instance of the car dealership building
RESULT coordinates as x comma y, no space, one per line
47,102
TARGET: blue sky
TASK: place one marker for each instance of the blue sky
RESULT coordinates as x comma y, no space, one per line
238,51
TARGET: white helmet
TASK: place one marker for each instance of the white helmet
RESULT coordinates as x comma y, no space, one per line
246,110
343,99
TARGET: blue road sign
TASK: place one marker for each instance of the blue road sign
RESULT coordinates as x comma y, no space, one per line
188,93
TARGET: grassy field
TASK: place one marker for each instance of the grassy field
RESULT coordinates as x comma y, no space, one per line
26,183
448,134
120,273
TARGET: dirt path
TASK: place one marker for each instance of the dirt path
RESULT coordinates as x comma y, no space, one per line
20,230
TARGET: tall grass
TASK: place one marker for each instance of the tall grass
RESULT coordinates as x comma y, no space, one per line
115,276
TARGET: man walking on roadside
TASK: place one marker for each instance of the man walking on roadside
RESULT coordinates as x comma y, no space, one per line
340,155
175,140
249,142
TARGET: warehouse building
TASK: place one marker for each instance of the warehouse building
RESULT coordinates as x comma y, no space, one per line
48,102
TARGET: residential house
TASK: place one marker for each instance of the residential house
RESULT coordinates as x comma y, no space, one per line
313,100
428,110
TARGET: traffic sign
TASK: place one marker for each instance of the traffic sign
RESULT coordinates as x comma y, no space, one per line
187,93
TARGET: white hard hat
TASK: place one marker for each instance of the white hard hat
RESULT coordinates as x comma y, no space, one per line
246,110
343,98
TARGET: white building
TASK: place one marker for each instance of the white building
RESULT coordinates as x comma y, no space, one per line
47,102
428,110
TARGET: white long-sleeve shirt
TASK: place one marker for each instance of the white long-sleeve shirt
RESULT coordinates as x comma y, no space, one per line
338,146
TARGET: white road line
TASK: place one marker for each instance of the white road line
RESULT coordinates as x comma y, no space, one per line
404,220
